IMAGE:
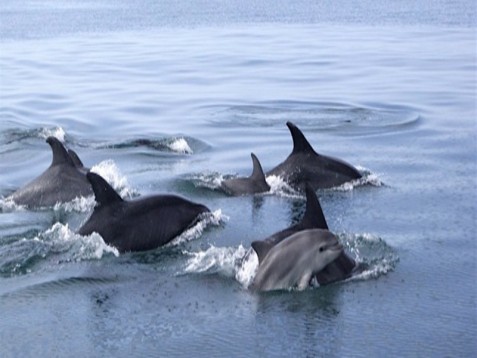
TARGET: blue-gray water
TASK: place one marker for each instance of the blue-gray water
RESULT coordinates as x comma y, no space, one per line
387,86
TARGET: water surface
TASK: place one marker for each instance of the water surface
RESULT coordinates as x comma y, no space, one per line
172,97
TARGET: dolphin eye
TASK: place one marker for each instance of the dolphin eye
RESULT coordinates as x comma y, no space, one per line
322,249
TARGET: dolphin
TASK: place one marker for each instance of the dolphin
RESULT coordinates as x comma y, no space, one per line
295,260
63,181
141,224
77,161
305,165
255,183
340,268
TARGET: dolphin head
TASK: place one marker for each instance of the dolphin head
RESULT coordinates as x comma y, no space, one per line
326,249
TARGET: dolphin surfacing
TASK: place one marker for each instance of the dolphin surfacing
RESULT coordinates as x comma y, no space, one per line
340,268
254,184
141,224
304,165
63,181
295,260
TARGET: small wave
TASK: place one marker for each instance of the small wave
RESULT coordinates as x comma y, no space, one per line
16,135
373,256
56,245
215,218
111,173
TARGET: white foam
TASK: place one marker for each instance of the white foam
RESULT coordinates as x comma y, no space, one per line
222,260
78,204
111,173
75,247
278,186
180,145
7,205
215,218
57,132
247,269
367,178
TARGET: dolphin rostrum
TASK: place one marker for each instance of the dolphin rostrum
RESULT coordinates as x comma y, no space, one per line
295,260
253,184
140,224
63,181
305,165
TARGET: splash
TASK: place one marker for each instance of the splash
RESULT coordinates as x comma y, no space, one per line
79,204
111,173
373,256
208,180
221,260
280,187
247,269
77,248
215,218
57,132
56,245
367,178
180,145
7,205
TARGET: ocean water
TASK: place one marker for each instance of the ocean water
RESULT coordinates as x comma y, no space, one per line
172,97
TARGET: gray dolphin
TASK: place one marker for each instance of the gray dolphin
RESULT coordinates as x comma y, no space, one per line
295,260
77,161
254,184
141,224
61,182
340,268
304,165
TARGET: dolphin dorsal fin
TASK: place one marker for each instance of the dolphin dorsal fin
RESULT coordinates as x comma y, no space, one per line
257,173
104,193
60,155
300,143
313,217
76,160
261,248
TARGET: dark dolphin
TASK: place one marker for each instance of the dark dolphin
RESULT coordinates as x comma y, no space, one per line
63,181
340,269
141,224
254,184
304,165
295,260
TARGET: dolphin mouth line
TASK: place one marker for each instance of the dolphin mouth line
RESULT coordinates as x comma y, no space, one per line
336,247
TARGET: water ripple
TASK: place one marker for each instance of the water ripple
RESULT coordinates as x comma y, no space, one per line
336,117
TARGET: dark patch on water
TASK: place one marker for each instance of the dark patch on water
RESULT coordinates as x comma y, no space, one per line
175,144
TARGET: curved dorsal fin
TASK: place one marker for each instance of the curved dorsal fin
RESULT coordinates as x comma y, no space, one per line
104,194
313,217
60,155
300,143
261,248
76,160
257,173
